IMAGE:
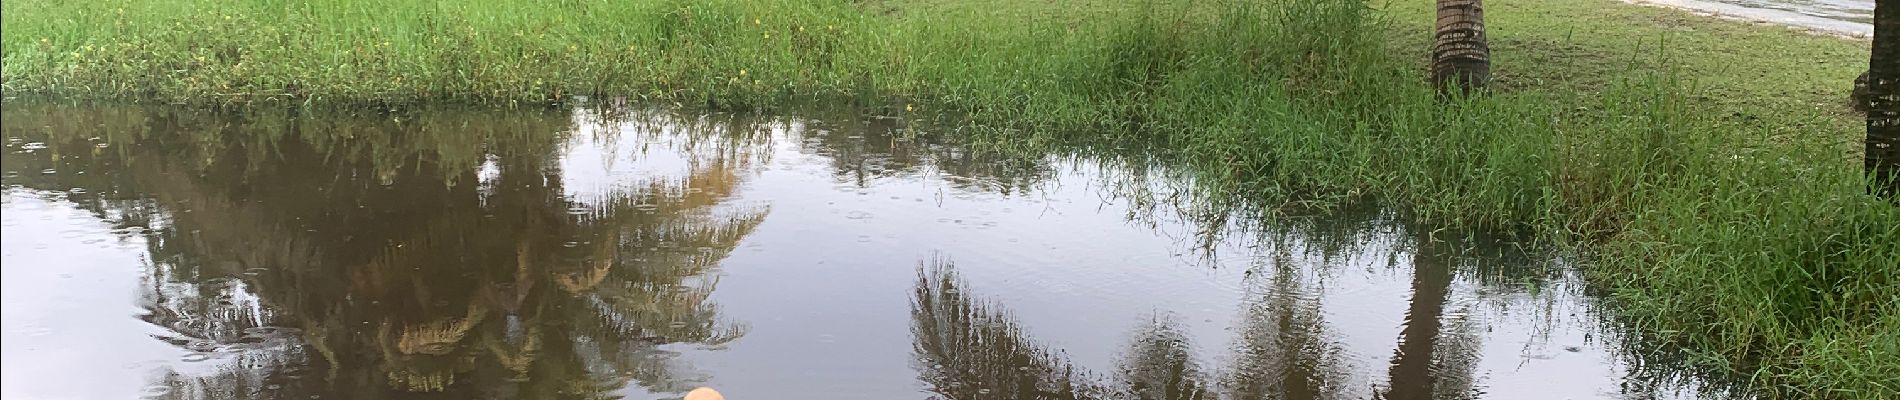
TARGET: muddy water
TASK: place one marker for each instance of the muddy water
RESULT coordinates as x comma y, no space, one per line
638,254
1846,17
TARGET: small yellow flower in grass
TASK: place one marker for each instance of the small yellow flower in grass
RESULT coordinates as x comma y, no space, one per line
801,28
768,36
908,108
755,21
742,72
227,18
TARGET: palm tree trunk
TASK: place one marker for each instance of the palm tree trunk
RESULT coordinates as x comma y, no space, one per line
1883,87
1461,56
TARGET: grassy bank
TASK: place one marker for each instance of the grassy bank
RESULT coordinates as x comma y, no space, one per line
1708,165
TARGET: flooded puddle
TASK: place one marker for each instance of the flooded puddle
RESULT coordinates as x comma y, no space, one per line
1846,17
639,254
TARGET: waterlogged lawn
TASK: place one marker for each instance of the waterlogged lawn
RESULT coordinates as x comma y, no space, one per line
1707,170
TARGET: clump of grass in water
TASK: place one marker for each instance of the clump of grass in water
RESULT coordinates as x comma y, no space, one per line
1771,258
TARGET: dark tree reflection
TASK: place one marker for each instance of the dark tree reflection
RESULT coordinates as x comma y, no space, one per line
968,348
1159,364
379,257
1283,350
1413,375
1284,346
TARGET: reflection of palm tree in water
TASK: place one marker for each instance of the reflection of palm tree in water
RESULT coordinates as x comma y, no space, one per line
1282,351
1412,372
1436,355
969,349
405,268
1158,365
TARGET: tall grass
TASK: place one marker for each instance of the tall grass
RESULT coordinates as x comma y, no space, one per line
1768,259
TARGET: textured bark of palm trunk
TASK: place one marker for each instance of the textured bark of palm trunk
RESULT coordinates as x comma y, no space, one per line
1461,56
1883,89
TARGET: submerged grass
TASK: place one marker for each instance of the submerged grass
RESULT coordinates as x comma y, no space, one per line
1707,165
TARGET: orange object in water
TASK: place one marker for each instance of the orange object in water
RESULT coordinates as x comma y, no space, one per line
704,393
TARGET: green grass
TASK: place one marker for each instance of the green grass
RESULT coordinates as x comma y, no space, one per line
1708,168
1767,77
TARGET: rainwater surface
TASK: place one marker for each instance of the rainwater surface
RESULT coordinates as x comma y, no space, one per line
627,253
